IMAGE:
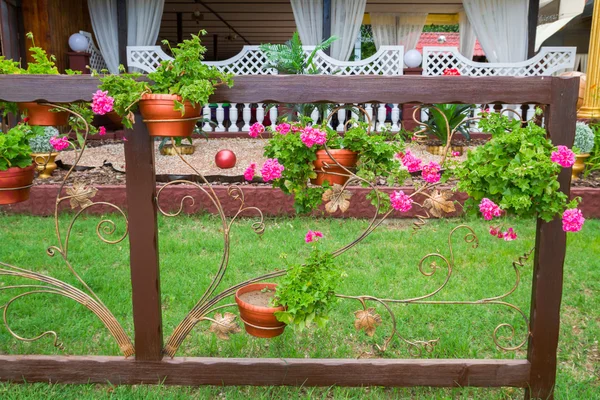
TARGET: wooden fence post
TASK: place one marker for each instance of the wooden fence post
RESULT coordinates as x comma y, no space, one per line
143,242
550,248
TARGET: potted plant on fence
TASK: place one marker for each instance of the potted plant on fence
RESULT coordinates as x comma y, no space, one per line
43,152
16,167
171,101
444,119
583,144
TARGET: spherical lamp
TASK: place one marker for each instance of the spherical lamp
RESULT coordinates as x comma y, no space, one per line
78,42
413,58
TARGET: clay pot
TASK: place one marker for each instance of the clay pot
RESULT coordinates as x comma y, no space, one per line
259,321
41,115
115,119
579,165
45,164
439,150
346,158
15,177
161,107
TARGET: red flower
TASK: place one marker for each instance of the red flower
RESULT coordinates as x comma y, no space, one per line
451,72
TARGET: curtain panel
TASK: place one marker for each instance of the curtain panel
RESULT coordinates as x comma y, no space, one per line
308,15
467,35
346,19
143,21
103,14
397,29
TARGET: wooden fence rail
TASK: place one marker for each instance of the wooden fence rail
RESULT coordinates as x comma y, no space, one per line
537,374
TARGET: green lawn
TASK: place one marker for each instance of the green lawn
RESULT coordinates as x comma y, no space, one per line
384,265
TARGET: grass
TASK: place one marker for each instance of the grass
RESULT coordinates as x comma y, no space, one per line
385,265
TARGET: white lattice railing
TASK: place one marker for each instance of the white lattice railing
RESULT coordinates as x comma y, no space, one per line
389,60
97,62
545,63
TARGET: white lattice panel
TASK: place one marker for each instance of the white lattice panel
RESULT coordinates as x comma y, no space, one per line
97,62
545,63
389,60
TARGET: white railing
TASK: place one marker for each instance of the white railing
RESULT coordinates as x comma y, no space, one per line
545,63
389,60
97,62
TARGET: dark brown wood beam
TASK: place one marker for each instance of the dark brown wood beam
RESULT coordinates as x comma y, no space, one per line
327,22
122,30
265,371
532,20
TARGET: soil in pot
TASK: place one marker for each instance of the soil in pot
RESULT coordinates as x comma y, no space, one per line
41,115
255,311
346,158
15,184
169,122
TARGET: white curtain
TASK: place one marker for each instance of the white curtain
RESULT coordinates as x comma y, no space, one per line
581,62
346,19
397,29
467,35
103,14
501,28
143,21
309,20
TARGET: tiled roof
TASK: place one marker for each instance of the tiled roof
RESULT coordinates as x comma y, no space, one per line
452,40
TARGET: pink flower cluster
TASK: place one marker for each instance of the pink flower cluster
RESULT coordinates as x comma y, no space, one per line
489,209
456,154
102,103
256,130
410,161
311,136
400,201
271,169
509,235
563,157
312,236
451,72
572,220
283,128
431,172
102,131
250,171
59,143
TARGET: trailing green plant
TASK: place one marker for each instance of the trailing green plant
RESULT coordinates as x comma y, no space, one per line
14,147
290,58
444,116
584,138
40,143
185,76
514,170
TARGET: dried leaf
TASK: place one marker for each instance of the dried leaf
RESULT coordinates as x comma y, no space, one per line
81,195
367,320
439,203
337,198
224,325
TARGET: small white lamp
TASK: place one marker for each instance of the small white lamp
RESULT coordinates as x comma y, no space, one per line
413,58
78,42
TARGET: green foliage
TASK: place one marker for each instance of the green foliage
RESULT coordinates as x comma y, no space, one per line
9,67
593,163
308,290
40,143
290,58
442,116
42,64
14,147
514,170
584,138
126,89
440,28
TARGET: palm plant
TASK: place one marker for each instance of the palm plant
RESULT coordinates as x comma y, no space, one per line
444,116
290,58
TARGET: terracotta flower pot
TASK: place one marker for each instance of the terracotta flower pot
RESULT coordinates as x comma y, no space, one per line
161,107
41,115
346,158
115,119
14,178
259,320
579,165
45,164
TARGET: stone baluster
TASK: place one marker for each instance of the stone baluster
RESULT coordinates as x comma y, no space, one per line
260,113
341,114
220,118
273,115
233,117
380,117
207,127
395,117
369,110
314,115
246,115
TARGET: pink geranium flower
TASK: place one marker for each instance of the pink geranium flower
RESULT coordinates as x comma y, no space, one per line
489,209
563,156
312,236
572,220
431,172
400,201
456,154
311,136
412,163
494,230
59,143
510,235
271,169
102,131
250,171
283,128
102,103
256,130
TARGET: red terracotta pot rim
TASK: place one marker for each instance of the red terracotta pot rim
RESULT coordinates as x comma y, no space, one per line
158,96
256,287
336,151
17,170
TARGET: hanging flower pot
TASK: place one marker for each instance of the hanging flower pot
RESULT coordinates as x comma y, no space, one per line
346,158
15,184
45,164
163,120
41,115
258,317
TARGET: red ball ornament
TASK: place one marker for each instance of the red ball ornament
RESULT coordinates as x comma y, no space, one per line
225,159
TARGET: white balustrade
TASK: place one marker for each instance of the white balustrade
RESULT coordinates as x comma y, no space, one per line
220,118
207,127
246,116
341,114
380,117
273,115
314,115
369,110
395,117
260,113
233,117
